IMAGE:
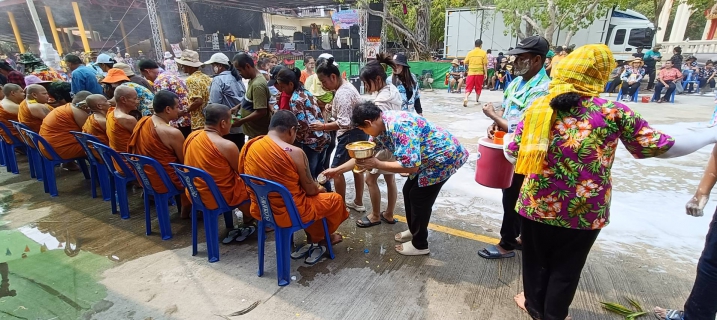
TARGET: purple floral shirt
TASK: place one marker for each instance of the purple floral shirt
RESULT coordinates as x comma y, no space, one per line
575,188
171,82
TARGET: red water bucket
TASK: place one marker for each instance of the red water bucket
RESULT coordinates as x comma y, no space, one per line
493,170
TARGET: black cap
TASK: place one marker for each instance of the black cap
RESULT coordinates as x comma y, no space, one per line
273,72
400,59
535,44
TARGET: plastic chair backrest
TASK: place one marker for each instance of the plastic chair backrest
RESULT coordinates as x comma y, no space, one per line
8,133
138,162
187,175
689,74
262,188
108,154
19,126
82,138
40,143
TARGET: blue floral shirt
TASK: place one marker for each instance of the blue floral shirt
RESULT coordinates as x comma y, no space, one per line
407,103
518,96
415,142
304,107
145,98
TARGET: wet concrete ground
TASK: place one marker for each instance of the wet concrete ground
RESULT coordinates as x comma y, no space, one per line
69,258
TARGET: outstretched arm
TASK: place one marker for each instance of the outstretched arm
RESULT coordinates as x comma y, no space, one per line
695,207
687,144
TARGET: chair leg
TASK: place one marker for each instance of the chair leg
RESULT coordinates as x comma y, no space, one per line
93,180
31,163
329,246
261,237
147,217
194,231
3,158
12,160
211,232
113,195
37,163
283,255
50,177
165,227
122,198
229,220
105,182
83,166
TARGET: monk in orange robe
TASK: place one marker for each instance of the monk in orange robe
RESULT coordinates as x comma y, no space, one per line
207,150
9,107
274,157
96,123
122,119
154,137
35,107
60,121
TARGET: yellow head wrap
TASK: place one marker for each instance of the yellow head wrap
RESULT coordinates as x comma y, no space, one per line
585,72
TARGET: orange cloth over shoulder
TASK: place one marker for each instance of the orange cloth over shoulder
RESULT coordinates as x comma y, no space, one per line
146,142
5,118
25,117
56,129
200,152
263,158
93,127
116,133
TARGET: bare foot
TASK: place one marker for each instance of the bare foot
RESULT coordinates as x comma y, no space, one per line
520,301
660,313
335,239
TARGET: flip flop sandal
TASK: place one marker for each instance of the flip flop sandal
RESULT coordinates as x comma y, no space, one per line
386,220
315,254
239,234
672,315
492,252
410,250
366,223
302,252
404,236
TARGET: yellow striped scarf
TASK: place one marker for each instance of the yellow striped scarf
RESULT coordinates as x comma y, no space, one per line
585,71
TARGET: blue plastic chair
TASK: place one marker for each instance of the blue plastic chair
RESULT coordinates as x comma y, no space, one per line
33,157
261,189
691,77
98,171
634,97
161,200
8,149
50,160
118,189
187,175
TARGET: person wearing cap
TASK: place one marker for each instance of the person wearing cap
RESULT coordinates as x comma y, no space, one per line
116,77
407,84
104,62
56,127
198,85
639,53
457,74
631,78
12,75
254,110
228,89
169,63
83,78
651,58
163,80
530,83
10,106
134,77
477,64
34,108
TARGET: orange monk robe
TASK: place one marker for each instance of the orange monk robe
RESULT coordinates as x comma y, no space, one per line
200,152
116,133
5,118
25,117
93,127
263,158
56,129
146,142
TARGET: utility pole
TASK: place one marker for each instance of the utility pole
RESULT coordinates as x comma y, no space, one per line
154,24
48,54
186,34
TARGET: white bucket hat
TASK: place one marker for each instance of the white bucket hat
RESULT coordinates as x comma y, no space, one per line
218,58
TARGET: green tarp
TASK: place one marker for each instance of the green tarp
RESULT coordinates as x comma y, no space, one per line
439,70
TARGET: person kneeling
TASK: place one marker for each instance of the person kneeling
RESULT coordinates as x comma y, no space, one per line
276,158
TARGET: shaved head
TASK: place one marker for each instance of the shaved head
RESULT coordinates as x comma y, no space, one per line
9,88
94,101
34,89
124,91
126,98
81,96
214,113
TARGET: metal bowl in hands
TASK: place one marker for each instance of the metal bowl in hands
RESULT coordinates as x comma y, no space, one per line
361,149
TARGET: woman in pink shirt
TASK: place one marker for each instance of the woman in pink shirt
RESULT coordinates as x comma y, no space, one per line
666,79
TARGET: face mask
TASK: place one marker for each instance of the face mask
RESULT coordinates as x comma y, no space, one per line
521,67
216,69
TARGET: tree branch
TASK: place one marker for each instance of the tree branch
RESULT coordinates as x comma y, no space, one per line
529,20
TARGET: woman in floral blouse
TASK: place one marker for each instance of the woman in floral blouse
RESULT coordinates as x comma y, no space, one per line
429,154
566,146
631,79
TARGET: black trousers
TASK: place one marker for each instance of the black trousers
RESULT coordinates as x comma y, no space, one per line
553,258
668,92
185,131
510,228
238,139
419,206
613,84
702,303
652,74
629,90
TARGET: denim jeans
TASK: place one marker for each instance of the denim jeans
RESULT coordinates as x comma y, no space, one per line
702,303
316,163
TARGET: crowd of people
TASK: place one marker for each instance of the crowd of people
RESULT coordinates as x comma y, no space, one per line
285,124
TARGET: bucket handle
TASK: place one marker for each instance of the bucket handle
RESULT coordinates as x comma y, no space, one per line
478,155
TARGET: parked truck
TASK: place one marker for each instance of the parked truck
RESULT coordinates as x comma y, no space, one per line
622,31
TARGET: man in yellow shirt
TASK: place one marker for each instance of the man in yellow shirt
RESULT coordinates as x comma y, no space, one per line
477,64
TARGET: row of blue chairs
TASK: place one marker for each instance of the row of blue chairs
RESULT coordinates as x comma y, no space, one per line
112,174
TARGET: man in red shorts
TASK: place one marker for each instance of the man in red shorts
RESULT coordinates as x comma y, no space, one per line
476,63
